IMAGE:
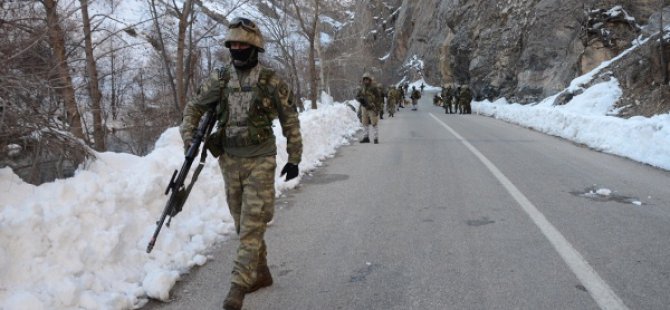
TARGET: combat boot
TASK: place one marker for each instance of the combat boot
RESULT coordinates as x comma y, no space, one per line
376,141
365,140
235,297
263,279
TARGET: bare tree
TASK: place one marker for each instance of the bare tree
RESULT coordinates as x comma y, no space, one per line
664,64
309,29
186,18
93,86
278,32
64,81
159,43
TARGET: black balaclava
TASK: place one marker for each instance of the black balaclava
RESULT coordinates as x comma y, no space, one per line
244,59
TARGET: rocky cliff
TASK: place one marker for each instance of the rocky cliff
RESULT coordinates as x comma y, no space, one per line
520,49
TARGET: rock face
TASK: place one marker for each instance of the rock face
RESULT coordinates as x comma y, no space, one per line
520,49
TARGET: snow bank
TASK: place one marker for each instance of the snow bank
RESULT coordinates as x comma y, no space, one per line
586,119
80,242
427,87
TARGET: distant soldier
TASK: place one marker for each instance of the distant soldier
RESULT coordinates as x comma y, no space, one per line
394,98
406,88
380,101
368,95
401,102
457,101
422,87
464,100
447,96
415,96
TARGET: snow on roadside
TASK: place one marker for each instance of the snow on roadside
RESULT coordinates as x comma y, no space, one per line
587,119
80,242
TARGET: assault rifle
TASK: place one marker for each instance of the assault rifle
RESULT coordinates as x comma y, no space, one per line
176,185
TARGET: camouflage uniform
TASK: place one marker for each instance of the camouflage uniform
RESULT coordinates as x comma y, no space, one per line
464,100
246,102
415,96
447,95
369,96
394,97
380,100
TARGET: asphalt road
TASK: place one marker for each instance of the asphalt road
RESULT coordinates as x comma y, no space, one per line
460,212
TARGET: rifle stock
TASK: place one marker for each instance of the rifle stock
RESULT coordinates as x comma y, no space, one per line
179,193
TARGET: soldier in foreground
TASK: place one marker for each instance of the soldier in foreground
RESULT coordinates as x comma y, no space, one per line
368,95
394,98
247,97
415,96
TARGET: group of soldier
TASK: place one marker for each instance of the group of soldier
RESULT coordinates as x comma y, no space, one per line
454,100
371,97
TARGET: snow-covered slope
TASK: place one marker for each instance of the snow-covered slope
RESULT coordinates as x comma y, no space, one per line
80,243
590,118
585,119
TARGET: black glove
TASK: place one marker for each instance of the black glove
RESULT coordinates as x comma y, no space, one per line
290,170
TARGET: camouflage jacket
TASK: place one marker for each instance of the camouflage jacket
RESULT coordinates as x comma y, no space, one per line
372,95
465,96
270,98
415,94
382,95
447,93
394,95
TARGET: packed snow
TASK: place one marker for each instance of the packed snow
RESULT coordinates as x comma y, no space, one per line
80,243
588,119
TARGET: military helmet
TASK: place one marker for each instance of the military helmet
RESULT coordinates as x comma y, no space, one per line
367,75
244,30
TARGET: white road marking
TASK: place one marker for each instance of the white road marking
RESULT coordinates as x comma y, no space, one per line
601,292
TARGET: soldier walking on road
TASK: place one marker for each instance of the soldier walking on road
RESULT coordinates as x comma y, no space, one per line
380,101
401,101
246,98
368,95
394,97
415,96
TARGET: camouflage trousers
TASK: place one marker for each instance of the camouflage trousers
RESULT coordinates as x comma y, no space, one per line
391,106
370,117
250,193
